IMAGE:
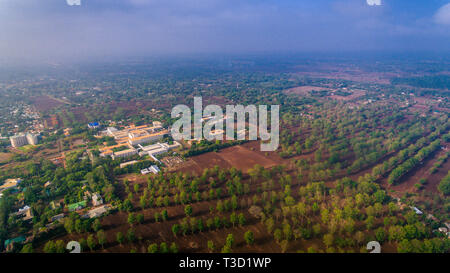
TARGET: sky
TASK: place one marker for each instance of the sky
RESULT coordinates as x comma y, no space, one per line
54,30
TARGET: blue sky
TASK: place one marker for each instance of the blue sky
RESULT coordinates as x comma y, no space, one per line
52,30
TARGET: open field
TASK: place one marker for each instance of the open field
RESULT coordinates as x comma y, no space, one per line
305,90
4,157
355,94
45,103
242,157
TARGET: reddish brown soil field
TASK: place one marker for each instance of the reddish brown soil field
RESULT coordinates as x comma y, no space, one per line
242,157
355,94
406,184
45,103
304,90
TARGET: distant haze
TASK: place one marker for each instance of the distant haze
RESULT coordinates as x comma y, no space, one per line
56,30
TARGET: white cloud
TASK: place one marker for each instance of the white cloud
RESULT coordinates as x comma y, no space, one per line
374,2
73,2
442,16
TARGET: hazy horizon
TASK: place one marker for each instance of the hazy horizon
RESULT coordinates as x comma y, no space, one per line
53,31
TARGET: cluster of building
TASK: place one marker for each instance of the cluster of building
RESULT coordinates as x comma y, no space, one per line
24,139
130,137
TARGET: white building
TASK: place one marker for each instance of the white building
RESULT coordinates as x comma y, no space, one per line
123,165
158,148
96,200
136,138
32,139
417,211
154,169
124,153
111,130
18,140
24,139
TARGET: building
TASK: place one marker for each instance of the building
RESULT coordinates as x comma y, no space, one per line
123,165
18,140
25,213
154,169
417,211
32,139
158,148
121,135
57,217
56,204
97,212
154,149
132,136
93,125
111,130
10,184
67,131
96,200
17,240
24,139
135,138
124,153
443,230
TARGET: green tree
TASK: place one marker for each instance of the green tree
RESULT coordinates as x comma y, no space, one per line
328,240
140,218
120,238
153,248
131,219
380,235
131,236
173,248
175,229
241,219
226,249
249,237
163,248
278,235
164,215
101,237
28,248
60,246
230,240
50,247
211,246
96,225
91,242
69,225
188,210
